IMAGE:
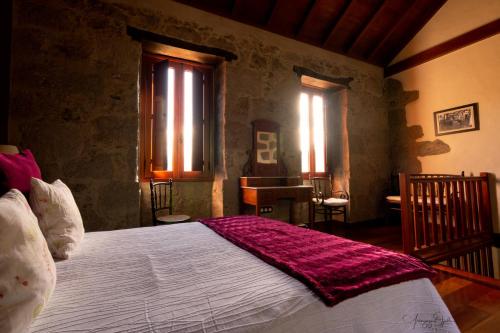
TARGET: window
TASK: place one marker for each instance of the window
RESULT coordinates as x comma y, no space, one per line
312,132
176,111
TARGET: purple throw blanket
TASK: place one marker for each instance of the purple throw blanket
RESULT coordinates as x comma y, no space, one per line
335,268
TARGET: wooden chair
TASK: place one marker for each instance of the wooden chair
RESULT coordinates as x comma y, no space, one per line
327,201
161,203
393,200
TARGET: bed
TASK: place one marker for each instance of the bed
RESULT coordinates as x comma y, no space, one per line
455,225
187,278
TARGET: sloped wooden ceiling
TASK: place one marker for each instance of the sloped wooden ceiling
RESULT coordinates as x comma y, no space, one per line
374,31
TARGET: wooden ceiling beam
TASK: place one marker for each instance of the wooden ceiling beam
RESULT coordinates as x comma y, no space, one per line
271,13
373,53
363,43
361,34
235,7
305,18
456,43
335,23
424,17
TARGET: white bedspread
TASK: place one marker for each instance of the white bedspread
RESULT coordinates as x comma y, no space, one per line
186,278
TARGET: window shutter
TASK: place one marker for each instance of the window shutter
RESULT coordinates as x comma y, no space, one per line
198,108
160,80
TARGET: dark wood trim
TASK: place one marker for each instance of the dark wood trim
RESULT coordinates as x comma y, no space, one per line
335,23
143,35
468,38
5,63
344,81
305,18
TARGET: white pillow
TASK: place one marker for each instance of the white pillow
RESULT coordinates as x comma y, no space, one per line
27,270
58,216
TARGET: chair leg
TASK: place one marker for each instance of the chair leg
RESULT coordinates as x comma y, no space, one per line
329,214
314,213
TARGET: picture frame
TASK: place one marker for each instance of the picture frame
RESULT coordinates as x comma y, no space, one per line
464,118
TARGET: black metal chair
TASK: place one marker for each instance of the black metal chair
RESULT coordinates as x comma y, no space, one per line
327,201
161,203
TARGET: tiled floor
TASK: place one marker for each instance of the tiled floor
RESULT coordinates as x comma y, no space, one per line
475,307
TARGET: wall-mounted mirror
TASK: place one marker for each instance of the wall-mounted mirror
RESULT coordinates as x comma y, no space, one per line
265,156
267,147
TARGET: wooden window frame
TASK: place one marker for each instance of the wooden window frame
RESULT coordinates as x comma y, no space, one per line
311,91
147,118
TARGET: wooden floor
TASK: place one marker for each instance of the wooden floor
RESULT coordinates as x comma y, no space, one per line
475,307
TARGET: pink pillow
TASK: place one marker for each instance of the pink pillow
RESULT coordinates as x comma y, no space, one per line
16,171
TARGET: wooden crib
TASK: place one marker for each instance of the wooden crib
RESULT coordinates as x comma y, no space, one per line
447,219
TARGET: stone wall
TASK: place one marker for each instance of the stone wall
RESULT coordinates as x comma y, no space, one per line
75,104
406,149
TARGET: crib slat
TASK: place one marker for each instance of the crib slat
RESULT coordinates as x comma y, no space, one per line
425,215
466,263
441,207
477,258
463,217
449,204
484,262
416,223
468,208
473,262
456,209
434,231
489,257
480,209
473,195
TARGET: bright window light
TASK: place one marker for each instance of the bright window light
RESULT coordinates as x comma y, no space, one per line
170,118
304,130
319,133
188,120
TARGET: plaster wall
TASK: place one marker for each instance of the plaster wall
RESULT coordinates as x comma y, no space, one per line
465,76
75,104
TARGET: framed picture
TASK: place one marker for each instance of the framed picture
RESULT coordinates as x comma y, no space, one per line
455,120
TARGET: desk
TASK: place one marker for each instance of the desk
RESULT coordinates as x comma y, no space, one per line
286,188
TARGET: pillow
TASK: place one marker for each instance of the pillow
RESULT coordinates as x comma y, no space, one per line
27,271
58,216
16,171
